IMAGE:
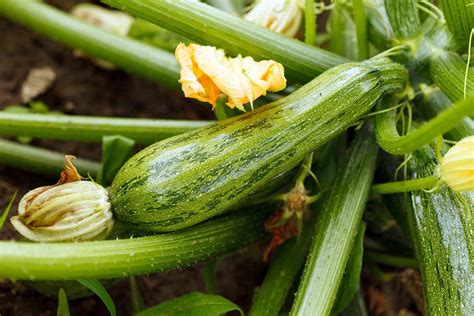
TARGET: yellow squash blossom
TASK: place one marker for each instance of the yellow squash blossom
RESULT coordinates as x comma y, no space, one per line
206,73
457,167
281,16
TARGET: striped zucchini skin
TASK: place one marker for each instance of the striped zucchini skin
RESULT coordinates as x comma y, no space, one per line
189,178
442,234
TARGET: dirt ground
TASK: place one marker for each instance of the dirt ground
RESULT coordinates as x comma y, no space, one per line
81,88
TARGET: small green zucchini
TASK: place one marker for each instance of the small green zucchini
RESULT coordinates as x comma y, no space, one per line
189,178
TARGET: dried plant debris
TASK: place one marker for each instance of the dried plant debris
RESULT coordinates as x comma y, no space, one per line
37,82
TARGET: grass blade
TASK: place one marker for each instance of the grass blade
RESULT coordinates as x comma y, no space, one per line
5,213
96,287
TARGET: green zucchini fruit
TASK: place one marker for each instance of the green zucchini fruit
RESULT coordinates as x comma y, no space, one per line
189,178
442,233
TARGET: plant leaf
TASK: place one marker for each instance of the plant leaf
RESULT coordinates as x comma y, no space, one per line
350,281
5,213
116,150
192,304
96,287
63,306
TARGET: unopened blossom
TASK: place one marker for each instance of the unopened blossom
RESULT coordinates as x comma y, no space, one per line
206,73
71,210
457,166
281,16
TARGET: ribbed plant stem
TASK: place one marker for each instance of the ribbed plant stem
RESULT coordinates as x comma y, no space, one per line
41,161
91,128
310,22
405,186
459,16
336,229
360,21
404,18
207,25
131,55
125,257
390,140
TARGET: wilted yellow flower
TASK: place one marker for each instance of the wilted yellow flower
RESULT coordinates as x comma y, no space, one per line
457,166
206,73
281,16
71,210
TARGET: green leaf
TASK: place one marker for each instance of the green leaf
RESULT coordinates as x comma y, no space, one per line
5,213
192,304
63,307
350,281
116,150
99,290
136,296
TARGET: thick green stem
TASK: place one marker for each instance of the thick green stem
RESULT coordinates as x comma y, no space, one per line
405,186
404,18
207,25
125,257
448,70
131,55
360,21
391,141
225,5
433,102
394,261
41,161
92,129
335,232
459,15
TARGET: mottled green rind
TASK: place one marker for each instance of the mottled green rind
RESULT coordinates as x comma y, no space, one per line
442,233
186,179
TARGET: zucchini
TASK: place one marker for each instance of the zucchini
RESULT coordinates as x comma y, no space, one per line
441,229
189,178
